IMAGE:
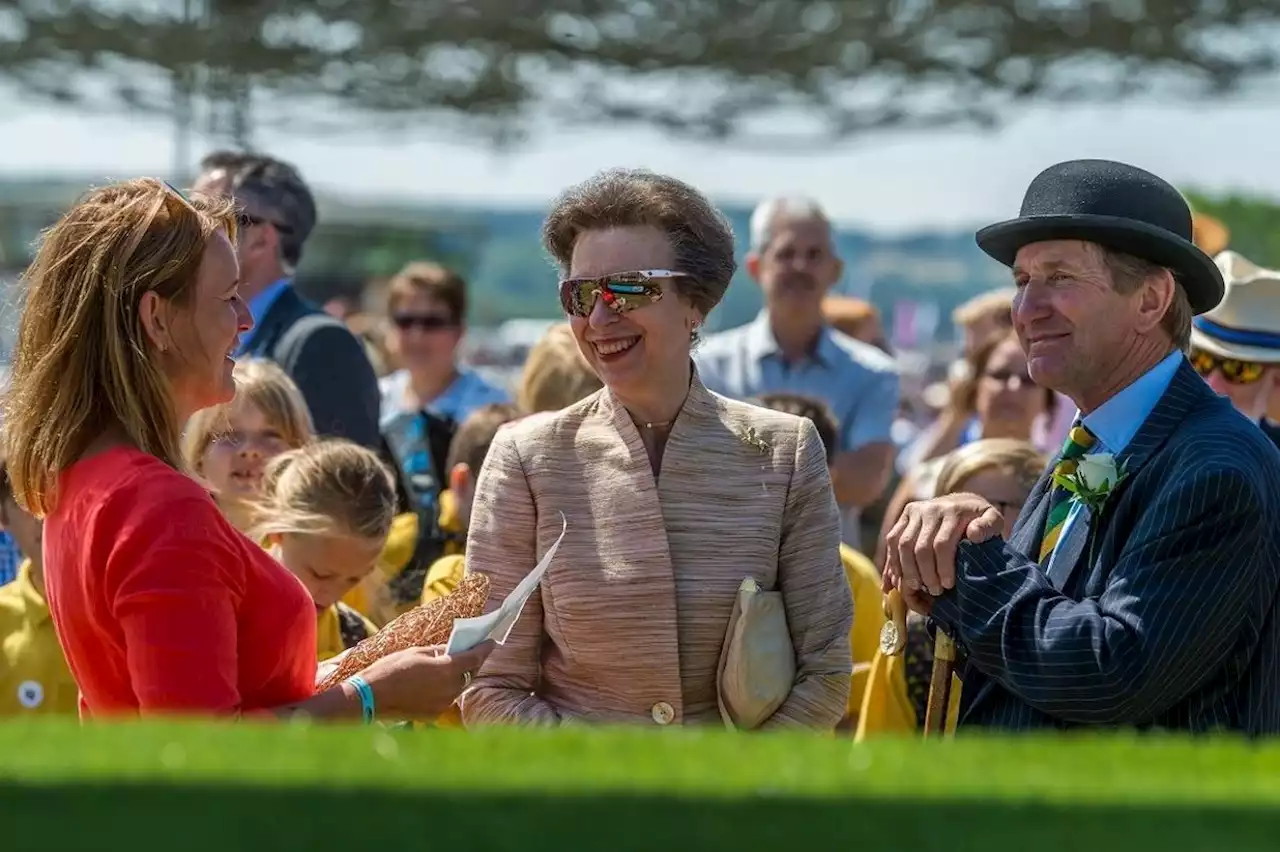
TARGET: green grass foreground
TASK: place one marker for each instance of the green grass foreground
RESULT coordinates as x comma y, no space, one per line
189,788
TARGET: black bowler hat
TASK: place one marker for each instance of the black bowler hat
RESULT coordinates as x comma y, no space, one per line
1117,206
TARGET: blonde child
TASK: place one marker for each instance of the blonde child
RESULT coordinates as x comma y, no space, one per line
864,580
324,510
228,446
34,677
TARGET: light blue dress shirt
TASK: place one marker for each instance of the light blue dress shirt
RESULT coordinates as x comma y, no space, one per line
468,392
1116,421
856,380
258,307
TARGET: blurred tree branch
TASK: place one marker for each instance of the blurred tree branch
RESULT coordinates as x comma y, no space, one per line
741,70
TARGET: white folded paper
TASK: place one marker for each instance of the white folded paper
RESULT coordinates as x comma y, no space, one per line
470,632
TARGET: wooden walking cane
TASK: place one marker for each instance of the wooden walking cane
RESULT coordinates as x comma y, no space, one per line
893,639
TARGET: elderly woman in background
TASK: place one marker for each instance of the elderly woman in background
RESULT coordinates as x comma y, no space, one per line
672,494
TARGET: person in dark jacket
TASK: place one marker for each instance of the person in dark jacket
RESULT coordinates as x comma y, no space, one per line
324,359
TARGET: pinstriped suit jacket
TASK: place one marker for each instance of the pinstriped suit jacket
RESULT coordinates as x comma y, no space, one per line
1173,623
633,610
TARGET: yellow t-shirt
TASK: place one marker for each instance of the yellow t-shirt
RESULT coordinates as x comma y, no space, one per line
34,677
331,639
868,618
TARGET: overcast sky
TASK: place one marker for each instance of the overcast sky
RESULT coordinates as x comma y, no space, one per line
882,182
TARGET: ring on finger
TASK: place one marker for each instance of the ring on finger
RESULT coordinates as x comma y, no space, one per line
466,679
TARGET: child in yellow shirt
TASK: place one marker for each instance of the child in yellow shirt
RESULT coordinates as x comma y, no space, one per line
324,510
466,456
864,579
34,677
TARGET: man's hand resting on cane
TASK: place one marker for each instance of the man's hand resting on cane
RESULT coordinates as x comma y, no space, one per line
920,550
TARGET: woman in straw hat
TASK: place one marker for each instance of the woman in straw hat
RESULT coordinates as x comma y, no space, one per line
132,312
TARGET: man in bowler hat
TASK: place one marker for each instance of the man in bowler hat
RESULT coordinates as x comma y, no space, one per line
1139,586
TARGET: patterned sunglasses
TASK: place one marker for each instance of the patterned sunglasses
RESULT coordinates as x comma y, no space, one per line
622,291
1234,370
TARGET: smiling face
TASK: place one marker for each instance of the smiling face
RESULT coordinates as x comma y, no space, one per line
1075,328
632,350
329,565
233,461
195,341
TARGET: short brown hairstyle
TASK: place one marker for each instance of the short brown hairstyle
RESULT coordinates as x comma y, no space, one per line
700,236
556,373
83,360
471,442
809,407
432,280
1127,275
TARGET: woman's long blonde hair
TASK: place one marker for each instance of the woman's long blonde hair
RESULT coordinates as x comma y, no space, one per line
268,388
82,361
330,487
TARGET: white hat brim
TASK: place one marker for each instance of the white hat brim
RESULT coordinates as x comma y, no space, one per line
1214,346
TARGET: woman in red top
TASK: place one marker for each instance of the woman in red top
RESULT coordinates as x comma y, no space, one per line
131,318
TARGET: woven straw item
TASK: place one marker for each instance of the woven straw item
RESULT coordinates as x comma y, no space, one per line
429,624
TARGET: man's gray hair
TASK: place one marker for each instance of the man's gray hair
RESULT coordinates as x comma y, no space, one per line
770,212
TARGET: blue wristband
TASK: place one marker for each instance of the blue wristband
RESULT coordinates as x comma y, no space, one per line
362,688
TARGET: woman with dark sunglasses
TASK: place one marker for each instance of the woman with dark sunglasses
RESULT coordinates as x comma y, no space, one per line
1236,346
673,496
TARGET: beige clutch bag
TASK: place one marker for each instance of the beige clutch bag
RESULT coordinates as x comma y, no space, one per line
758,661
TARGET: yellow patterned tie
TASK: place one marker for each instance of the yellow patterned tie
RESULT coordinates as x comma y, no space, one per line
1079,441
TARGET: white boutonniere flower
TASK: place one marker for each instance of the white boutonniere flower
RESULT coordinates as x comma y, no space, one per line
1093,481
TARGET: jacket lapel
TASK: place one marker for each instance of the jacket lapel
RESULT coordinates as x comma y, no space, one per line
1184,390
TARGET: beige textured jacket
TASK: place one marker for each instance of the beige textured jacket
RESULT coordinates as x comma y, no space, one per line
628,623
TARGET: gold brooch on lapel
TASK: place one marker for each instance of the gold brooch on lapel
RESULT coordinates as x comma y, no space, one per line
752,439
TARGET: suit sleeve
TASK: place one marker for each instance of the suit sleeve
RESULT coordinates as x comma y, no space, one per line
1170,617
815,594
502,544
330,367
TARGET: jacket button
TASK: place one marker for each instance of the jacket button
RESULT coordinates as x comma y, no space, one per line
663,713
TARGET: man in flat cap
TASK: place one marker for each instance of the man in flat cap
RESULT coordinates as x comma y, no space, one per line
1139,586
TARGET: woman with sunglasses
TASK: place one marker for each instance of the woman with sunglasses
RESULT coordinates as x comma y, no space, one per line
426,316
672,495
1236,346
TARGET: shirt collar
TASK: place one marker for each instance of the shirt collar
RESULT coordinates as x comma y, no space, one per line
761,343
1117,420
261,303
